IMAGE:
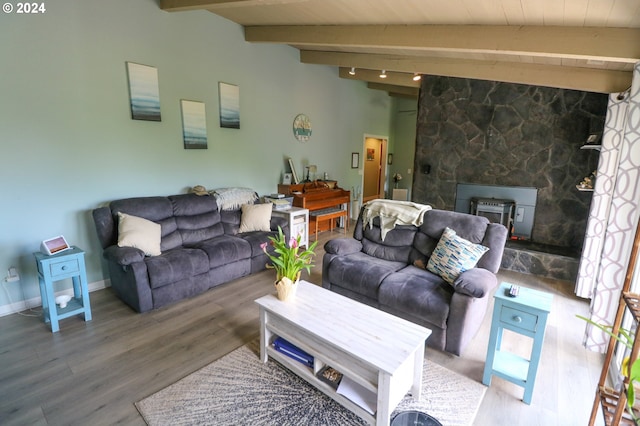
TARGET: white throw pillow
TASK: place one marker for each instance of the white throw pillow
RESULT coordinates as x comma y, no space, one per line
454,255
255,217
143,234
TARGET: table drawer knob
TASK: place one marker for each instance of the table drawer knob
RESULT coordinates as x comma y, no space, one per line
517,318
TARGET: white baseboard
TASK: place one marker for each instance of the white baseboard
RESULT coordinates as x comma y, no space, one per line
23,305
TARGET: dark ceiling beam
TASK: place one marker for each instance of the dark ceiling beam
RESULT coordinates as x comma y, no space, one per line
575,78
399,91
183,5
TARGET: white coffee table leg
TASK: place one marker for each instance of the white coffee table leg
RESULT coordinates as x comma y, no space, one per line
418,364
264,335
383,410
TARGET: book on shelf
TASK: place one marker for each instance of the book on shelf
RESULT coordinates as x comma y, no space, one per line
285,347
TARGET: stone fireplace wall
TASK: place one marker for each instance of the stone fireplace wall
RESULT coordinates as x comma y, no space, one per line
492,133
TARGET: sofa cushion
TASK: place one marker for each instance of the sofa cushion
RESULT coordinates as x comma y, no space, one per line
453,255
397,245
225,249
363,273
255,217
156,209
175,265
419,293
143,234
197,218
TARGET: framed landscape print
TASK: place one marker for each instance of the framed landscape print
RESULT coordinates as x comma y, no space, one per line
144,92
194,125
229,95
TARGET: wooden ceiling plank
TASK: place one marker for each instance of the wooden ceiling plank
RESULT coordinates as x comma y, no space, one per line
618,44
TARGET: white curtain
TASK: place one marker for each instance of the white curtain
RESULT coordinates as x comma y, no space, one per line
613,216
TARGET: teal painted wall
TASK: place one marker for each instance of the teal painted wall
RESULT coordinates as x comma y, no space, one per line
69,144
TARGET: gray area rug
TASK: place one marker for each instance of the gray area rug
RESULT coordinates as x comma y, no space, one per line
239,389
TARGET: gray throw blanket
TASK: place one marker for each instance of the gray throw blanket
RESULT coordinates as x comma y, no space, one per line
392,213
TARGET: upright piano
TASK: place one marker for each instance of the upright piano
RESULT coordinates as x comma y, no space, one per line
323,199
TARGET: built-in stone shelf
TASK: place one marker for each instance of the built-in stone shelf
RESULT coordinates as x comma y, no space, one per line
548,261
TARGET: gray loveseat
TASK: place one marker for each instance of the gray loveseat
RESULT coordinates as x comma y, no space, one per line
201,247
383,274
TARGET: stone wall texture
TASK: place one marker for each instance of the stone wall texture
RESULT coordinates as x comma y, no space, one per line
492,133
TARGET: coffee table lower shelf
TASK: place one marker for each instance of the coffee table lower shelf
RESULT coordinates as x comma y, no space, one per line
309,376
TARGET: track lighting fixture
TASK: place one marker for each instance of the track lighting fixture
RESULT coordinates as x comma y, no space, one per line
352,71
383,74
417,77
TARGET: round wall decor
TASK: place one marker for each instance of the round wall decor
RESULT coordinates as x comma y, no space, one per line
302,127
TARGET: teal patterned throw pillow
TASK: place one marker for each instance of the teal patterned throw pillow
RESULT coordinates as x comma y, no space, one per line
454,255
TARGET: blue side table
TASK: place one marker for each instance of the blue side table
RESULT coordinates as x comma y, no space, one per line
68,264
525,314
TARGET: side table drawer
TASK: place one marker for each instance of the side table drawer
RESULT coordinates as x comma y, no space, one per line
520,319
64,268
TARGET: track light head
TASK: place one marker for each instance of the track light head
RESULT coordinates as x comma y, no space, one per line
417,77
352,71
383,74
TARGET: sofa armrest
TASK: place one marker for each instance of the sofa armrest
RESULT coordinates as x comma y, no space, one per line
278,221
343,246
475,282
123,255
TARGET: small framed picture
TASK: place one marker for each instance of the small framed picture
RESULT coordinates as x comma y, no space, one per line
390,159
286,179
355,160
371,154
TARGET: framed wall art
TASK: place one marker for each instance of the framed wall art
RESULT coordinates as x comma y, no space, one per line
294,175
144,92
371,154
355,160
194,125
229,98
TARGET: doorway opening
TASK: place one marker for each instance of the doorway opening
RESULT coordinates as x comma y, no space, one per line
374,176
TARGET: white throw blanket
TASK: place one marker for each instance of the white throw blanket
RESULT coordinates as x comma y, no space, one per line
233,198
392,213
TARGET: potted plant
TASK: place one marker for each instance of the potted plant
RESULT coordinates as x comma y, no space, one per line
288,259
631,371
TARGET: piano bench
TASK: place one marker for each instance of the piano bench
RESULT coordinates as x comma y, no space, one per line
330,214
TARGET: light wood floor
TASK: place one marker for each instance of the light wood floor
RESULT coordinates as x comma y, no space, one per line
92,373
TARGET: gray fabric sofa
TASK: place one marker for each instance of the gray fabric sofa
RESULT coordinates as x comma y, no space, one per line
200,248
382,273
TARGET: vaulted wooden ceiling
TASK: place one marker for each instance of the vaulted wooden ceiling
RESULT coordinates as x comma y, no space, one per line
588,45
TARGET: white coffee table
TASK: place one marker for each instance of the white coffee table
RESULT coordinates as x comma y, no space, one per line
377,350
